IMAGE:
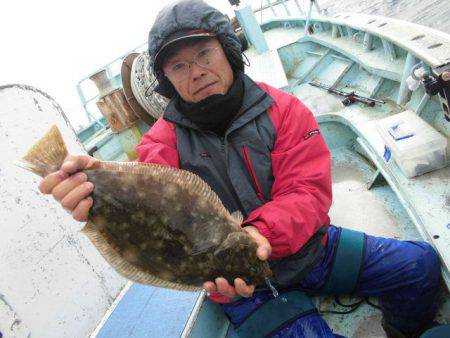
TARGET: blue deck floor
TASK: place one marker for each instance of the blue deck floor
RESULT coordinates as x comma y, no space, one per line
145,311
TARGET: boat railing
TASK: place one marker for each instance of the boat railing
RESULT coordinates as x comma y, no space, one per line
87,91
292,8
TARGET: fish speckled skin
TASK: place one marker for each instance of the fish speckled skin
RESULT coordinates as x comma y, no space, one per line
158,225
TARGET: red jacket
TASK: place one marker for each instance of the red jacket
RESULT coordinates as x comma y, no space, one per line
301,191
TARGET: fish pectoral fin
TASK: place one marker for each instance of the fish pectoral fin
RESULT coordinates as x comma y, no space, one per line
202,247
233,242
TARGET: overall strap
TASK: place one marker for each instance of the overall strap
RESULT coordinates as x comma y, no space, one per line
347,263
274,314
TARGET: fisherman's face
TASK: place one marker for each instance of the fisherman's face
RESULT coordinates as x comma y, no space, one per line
198,82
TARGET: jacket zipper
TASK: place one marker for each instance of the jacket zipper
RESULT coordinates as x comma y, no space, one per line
251,170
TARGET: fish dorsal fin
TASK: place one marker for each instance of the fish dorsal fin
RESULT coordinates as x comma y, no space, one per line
166,174
125,268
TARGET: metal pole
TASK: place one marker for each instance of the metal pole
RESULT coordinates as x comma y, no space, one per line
404,94
271,7
316,4
389,50
299,8
367,43
286,8
308,19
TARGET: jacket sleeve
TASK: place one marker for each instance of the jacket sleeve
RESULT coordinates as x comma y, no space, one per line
159,145
301,192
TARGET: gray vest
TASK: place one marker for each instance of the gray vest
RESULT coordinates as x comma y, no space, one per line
238,167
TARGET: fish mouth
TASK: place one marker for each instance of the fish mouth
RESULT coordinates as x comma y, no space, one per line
204,87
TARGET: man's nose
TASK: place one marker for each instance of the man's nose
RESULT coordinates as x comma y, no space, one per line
196,71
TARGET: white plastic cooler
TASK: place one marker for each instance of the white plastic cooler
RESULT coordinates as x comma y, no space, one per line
416,147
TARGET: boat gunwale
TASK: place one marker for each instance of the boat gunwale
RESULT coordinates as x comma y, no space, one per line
385,32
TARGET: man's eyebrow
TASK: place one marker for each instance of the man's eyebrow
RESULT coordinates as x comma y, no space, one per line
176,55
202,44
173,58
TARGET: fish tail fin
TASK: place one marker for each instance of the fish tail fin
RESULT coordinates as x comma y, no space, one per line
47,155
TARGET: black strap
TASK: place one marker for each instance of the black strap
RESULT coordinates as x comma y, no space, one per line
274,314
347,263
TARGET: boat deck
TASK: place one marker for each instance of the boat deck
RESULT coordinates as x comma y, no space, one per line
370,195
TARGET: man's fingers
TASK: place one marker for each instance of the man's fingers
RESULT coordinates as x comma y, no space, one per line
210,287
72,163
81,211
264,248
66,186
222,286
52,180
264,251
225,288
71,200
243,289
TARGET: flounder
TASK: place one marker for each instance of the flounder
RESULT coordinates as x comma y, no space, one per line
158,225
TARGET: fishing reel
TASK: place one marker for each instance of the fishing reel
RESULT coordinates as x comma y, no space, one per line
438,82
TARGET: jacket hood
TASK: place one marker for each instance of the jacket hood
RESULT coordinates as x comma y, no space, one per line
189,14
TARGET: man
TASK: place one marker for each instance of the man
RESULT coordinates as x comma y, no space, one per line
262,152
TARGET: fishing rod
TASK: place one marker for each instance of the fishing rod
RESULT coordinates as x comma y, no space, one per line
350,98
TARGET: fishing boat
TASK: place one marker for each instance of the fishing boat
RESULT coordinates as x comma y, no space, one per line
370,81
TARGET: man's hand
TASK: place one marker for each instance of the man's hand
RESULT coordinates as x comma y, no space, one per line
71,191
222,286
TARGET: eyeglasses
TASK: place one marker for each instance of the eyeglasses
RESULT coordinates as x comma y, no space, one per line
204,58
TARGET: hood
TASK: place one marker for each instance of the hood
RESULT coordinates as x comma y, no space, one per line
189,14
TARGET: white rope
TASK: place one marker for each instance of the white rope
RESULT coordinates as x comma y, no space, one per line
143,82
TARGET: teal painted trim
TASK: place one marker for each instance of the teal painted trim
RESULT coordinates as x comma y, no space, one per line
309,71
251,28
391,75
404,94
318,26
210,321
350,31
377,180
335,32
276,312
377,87
389,50
343,73
368,42
423,102
345,271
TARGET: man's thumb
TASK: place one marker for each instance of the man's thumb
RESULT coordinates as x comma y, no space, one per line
264,248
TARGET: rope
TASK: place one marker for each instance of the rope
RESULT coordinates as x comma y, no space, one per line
352,307
143,84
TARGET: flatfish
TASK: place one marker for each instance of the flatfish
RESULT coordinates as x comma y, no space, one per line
158,225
